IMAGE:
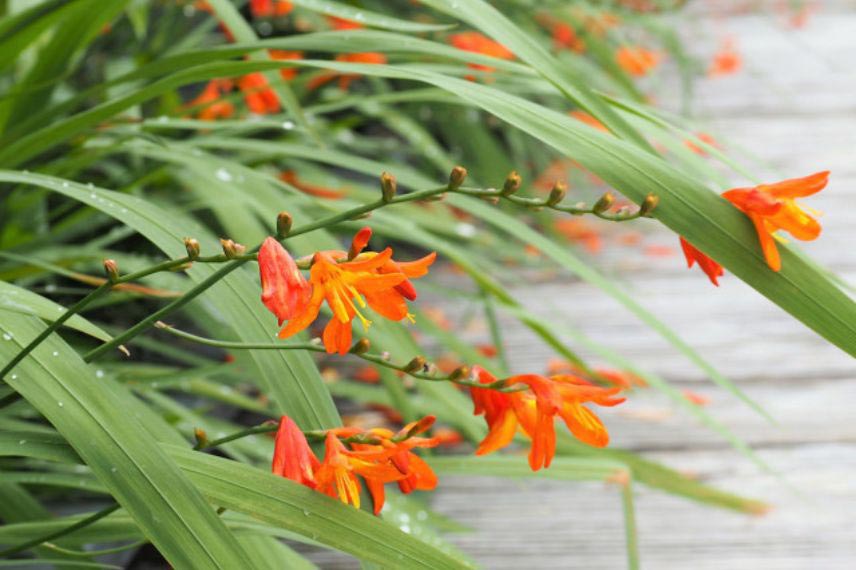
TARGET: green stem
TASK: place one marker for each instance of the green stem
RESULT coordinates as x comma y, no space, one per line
238,262
93,553
495,332
378,359
94,517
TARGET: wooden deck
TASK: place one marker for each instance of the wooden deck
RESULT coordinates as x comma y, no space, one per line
794,107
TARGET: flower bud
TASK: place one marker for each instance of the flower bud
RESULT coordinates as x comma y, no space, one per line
459,373
361,346
388,186
605,203
648,204
415,365
283,224
557,194
512,183
112,269
201,438
231,249
457,177
360,241
192,247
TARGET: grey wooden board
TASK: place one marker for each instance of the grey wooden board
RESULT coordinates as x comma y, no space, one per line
795,108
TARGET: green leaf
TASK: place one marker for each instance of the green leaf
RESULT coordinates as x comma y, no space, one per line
117,448
20,300
281,502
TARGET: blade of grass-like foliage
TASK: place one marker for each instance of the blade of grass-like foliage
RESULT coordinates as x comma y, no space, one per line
42,562
291,380
168,509
491,21
367,17
35,444
299,509
269,553
18,299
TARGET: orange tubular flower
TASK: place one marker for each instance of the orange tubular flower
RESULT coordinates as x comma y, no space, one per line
383,282
535,409
726,61
712,269
345,79
479,43
284,289
270,8
292,456
343,24
637,61
290,177
258,95
773,207
287,73
214,108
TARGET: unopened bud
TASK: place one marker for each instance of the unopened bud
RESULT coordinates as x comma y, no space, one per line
415,365
192,247
112,270
459,373
457,177
605,203
361,346
201,438
231,249
283,224
388,186
648,204
512,183
557,194
360,241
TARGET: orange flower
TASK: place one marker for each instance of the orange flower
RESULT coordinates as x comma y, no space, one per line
534,410
345,79
479,43
566,37
290,177
584,117
773,207
284,289
726,61
637,61
580,231
287,73
258,95
712,269
703,137
270,8
214,108
343,24
292,456
384,457
343,284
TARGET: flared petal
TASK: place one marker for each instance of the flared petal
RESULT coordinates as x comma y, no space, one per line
500,433
584,424
337,336
768,243
798,187
306,316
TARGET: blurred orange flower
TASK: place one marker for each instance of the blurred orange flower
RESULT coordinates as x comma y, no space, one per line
773,207
270,8
290,177
287,73
726,61
637,61
476,42
258,95
213,107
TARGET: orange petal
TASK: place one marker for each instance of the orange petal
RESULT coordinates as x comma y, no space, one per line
500,434
337,336
306,316
768,243
798,187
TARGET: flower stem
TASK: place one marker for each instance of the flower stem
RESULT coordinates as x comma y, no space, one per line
94,517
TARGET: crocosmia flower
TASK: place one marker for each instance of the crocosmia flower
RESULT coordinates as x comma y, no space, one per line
773,207
369,279
535,409
287,73
258,95
212,105
270,8
712,269
285,291
292,456
479,43
726,61
637,61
